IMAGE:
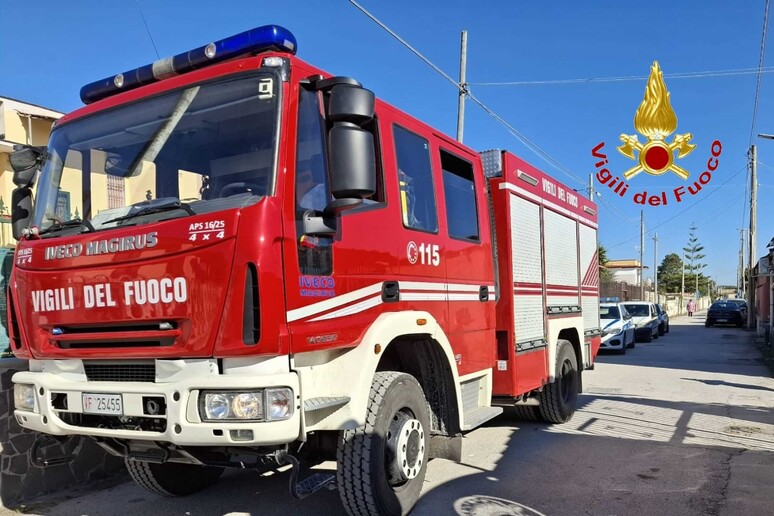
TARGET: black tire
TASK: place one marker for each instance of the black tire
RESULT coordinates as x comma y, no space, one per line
368,476
667,328
172,478
524,412
648,337
707,324
559,398
661,330
622,351
633,342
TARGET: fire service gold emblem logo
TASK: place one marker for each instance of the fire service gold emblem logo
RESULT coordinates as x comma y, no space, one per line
655,120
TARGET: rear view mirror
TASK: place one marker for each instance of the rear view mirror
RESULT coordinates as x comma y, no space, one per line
25,161
21,211
352,151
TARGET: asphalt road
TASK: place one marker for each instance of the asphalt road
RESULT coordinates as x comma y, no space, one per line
681,426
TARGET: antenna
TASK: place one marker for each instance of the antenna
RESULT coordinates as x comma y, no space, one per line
139,8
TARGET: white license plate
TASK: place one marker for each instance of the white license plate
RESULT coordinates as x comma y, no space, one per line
109,404
722,320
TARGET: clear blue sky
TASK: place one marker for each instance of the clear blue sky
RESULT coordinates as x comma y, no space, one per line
49,49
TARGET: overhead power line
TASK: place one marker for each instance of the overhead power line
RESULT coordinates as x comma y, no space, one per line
623,78
762,54
515,132
702,199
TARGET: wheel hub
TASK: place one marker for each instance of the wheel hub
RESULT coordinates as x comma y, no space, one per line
406,442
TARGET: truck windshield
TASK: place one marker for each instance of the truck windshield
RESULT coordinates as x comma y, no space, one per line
196,150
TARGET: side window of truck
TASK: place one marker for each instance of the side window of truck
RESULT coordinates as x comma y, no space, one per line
415,175
460,193
315,255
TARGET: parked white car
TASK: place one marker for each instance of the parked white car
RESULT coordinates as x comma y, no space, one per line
645,319
618,327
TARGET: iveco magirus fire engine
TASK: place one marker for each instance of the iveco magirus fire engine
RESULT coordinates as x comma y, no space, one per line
235,259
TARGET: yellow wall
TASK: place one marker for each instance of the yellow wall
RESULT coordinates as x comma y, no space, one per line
136,188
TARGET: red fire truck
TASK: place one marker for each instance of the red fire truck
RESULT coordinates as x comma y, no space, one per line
235,259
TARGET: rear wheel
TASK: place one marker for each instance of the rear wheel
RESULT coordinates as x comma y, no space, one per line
172,478
381,465
560,397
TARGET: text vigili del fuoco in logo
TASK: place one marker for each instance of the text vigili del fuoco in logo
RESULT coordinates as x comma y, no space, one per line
656,121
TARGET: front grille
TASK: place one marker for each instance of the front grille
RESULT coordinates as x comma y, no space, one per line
136,424
119,335
120,372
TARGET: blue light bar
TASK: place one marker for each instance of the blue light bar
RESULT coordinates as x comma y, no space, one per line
253,41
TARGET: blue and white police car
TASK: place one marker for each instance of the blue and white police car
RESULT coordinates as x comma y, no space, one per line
618,327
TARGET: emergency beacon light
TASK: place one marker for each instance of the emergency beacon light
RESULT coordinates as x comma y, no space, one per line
259,39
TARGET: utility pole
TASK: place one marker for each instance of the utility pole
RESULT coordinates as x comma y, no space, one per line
753,227
741,291
463,89
642,254
591,187
682,284
655,267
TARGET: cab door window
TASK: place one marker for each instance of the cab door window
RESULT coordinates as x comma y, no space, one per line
415,174
460,194
315,255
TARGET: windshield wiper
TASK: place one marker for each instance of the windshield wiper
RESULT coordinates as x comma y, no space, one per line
58,225
157,208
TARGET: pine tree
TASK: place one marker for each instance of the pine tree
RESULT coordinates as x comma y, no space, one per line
693,257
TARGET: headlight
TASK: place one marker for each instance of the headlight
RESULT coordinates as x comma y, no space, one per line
231,405
216,405
247,405
24,396
279,404
258,405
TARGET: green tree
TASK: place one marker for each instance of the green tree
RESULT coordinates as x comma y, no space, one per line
670,273
604,272
694,256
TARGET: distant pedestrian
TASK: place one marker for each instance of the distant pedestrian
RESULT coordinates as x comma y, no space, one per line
691,307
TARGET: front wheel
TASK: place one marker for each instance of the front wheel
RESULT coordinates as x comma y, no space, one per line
661,330
172,478
382,464
560,397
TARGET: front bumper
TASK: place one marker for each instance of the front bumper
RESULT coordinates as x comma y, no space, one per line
614,341
179,382
643,331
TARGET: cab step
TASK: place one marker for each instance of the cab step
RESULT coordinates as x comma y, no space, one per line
309,485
